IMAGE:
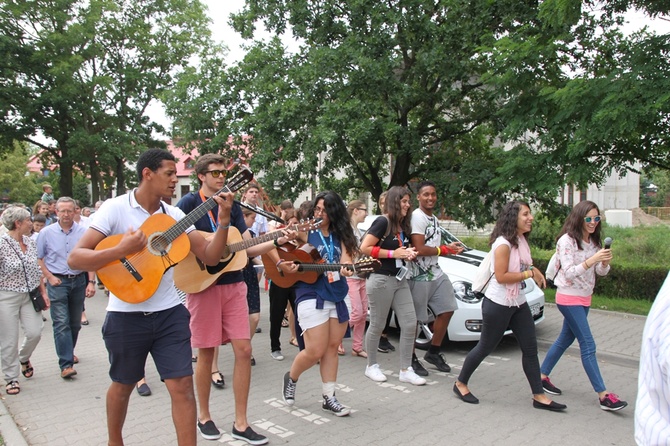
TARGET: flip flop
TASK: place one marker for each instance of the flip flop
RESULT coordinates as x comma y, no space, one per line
294,342
218,382
340,350
27,369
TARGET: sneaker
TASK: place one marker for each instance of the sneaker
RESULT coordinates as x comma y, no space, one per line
253,361
438,361
419,369
549,387
277,355
249,436
612,402
374,373
209,431
385,346
330,404
288,390
408,376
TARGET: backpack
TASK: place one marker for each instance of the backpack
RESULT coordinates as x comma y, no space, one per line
483,276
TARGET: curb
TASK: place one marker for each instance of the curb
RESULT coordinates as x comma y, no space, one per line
9,430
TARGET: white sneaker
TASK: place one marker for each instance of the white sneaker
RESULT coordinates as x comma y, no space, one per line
277,355
373,372
408,376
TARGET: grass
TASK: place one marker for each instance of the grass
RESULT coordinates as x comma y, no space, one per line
630,306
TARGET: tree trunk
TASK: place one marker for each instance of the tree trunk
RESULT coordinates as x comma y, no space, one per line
120,176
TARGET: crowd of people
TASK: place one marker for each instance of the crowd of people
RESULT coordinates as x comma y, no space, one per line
54,252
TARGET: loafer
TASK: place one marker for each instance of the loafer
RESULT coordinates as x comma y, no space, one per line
468,397
68,372
553,406
144,390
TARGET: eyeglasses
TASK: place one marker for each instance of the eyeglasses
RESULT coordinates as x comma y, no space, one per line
216,173
590,219
362,209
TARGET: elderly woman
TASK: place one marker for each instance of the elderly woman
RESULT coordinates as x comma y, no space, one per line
19,273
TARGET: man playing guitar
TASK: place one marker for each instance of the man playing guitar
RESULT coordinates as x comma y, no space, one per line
158,325
220,313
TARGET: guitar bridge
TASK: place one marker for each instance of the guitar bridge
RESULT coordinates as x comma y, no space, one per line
131,269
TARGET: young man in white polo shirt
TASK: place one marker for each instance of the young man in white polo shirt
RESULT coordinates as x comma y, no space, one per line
159,325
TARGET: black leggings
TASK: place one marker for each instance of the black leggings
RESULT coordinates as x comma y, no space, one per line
278,298
496,319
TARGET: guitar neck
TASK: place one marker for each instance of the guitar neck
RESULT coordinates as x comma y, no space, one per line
323,267
244,244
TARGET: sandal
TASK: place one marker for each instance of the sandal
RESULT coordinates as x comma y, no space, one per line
27,369
340,350
361,353
218,382
13,388
294,342
284,323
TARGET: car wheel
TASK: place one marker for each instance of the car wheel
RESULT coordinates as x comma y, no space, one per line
425,332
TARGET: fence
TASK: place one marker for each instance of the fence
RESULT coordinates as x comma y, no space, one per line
662,213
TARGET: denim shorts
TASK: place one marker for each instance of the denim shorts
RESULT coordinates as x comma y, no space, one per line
130,337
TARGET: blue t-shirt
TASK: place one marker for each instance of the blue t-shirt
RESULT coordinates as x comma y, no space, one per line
191,201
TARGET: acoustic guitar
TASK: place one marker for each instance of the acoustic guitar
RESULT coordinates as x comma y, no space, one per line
136,278
310,265
192,276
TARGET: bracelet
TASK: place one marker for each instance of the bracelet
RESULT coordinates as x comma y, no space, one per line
587,265
279,263
389,254
276,243
375,252
92,281
225,227
439,251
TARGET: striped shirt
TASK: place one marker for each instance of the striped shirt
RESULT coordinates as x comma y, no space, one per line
652,411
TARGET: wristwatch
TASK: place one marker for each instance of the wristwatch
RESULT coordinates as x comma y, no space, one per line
92,281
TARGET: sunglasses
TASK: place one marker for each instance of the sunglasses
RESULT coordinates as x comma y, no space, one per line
216,173
590,219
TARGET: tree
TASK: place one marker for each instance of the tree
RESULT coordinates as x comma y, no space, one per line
16,185
84,72
433,89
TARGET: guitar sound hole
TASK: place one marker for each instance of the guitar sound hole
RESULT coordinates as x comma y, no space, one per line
159,245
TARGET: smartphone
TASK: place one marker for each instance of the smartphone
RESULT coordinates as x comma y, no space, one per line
402,272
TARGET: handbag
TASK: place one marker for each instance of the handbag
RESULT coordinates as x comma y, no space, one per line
483,276
35,295
553,268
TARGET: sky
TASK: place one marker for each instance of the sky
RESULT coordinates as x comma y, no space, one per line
220,10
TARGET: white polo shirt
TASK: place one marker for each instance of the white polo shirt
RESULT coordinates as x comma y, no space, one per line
115,216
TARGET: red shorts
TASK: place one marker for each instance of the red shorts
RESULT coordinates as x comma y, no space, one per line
219,314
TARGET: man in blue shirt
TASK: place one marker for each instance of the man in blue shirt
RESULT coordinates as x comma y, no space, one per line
66,287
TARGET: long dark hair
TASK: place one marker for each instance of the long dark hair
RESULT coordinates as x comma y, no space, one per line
396,220
506,225
575,223
339,220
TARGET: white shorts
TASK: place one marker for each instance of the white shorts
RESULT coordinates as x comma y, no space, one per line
309,316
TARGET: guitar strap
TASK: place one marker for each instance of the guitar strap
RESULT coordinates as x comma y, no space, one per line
212,220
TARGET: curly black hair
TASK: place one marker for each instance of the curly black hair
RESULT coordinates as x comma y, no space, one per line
152,158
338,218
507,222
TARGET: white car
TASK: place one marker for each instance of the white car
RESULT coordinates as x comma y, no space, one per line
466,323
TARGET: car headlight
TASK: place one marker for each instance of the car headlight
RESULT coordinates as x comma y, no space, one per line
464,293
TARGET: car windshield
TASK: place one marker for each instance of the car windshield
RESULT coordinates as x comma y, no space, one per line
448,237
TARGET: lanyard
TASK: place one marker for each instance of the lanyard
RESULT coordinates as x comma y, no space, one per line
212,221
329,249
401,238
